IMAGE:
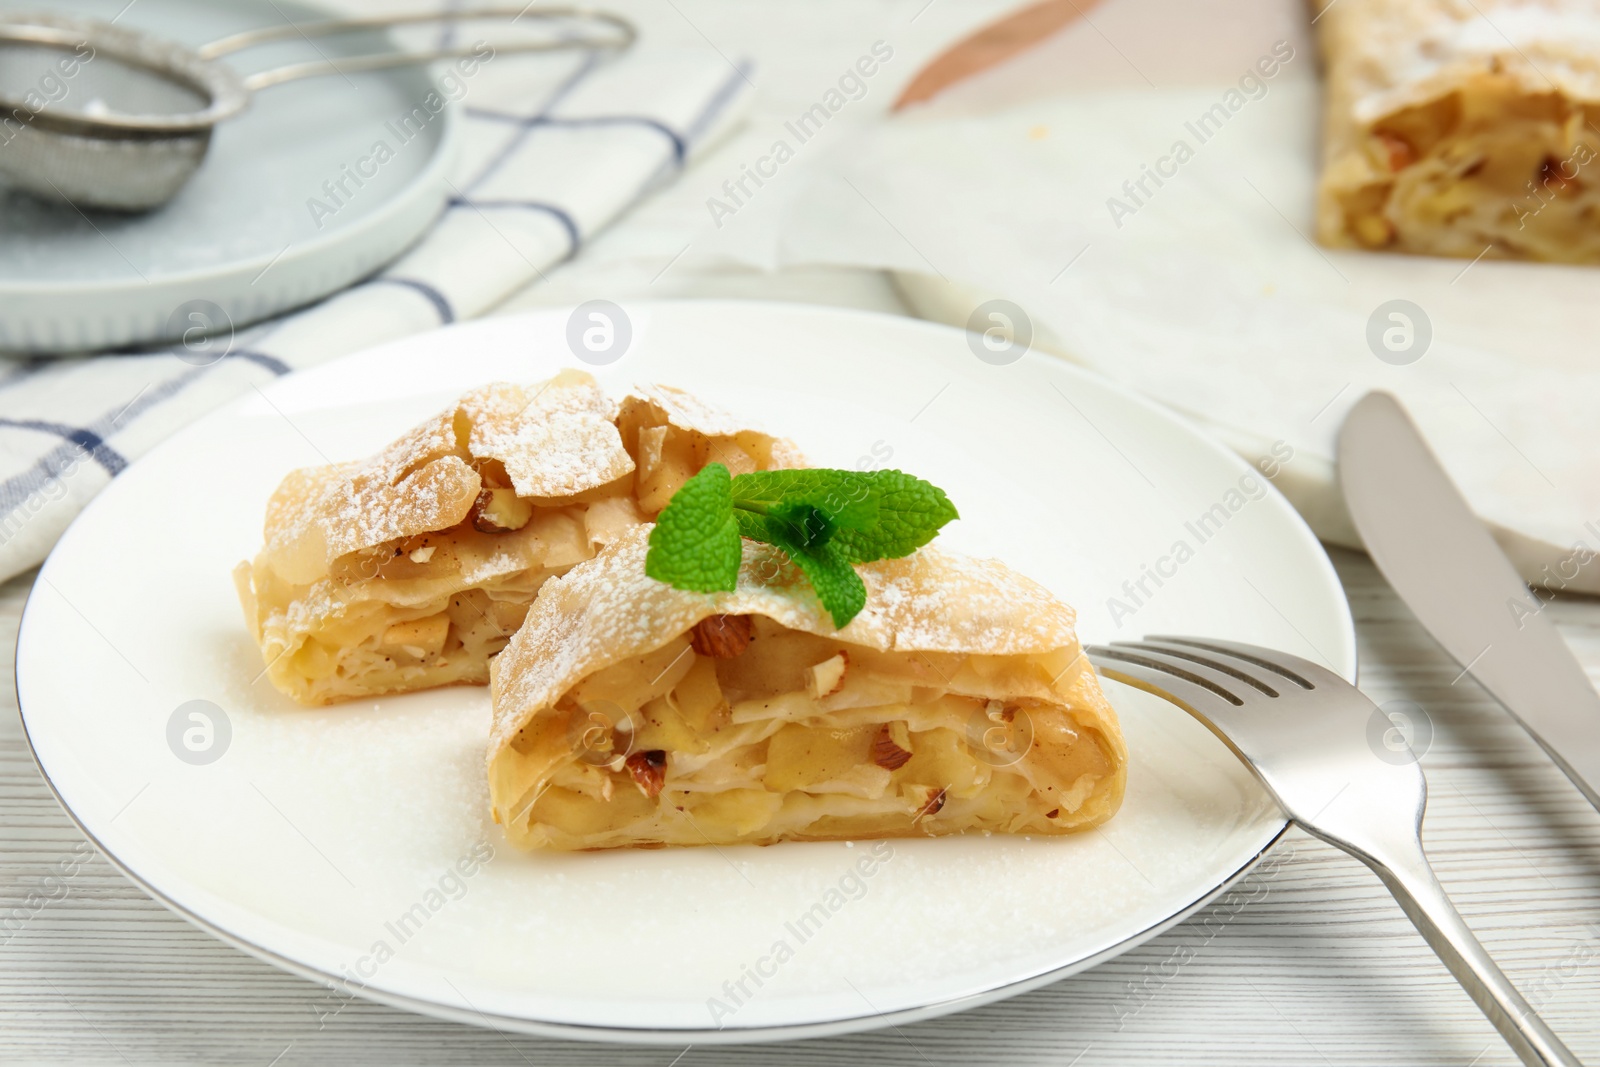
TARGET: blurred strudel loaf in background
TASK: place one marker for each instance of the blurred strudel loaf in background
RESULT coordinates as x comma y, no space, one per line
1462,127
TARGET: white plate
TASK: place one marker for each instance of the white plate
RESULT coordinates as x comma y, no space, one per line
317,829
241,235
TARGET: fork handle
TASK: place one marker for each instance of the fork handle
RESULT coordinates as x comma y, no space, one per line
1404,868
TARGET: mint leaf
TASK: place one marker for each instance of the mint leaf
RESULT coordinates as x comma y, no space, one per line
695,545
872,514
838,585
910,514
844,497
802,525
756,527
824,520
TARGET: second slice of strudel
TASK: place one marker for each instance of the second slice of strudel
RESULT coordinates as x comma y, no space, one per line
410,569
631,713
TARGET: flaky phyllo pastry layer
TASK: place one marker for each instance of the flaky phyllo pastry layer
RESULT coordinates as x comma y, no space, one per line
1462,127
628,713
410,569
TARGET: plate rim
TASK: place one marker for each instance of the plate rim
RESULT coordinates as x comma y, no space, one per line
421,185
733,1035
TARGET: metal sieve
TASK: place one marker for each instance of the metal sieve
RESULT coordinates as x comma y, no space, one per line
111,118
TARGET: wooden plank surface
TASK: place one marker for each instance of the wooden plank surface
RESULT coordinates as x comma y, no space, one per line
1307,962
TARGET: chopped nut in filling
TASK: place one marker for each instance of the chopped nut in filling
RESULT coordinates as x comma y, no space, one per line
685,745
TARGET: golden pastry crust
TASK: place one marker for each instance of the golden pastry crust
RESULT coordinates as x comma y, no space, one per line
411,568
1462,127
555,440
618,722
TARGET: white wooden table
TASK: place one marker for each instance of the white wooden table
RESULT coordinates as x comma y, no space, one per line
1307,962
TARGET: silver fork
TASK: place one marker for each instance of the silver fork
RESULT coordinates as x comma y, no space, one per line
1303,731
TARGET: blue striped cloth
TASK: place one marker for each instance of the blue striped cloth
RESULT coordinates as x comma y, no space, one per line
538,176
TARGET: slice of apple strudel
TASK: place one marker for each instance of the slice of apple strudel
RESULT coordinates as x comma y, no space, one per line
630,713
1461,128
410,569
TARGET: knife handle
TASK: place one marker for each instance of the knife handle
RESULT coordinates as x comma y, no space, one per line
1405,870
991,46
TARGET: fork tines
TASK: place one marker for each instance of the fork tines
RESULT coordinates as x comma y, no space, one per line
1235,672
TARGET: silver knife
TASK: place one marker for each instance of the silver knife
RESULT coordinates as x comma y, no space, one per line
1447,568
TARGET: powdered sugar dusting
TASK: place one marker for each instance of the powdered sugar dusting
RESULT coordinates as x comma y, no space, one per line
556,439
1411,53
421,482
688,412
607,609
786,455
937,601
673,407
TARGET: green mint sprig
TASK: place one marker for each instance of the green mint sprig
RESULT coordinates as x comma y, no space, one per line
826,521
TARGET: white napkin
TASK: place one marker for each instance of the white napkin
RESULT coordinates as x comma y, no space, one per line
542,170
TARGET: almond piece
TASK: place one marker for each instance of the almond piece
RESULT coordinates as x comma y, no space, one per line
722,636
1552,178
500,511
1395,151
651,440
891,749
649,770
932,804
826,677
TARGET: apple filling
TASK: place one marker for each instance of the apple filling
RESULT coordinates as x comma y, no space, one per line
745,730
426,610
1491,171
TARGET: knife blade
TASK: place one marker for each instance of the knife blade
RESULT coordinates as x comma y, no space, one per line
989,46
1445,565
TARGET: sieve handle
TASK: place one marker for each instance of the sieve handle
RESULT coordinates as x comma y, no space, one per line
620,40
